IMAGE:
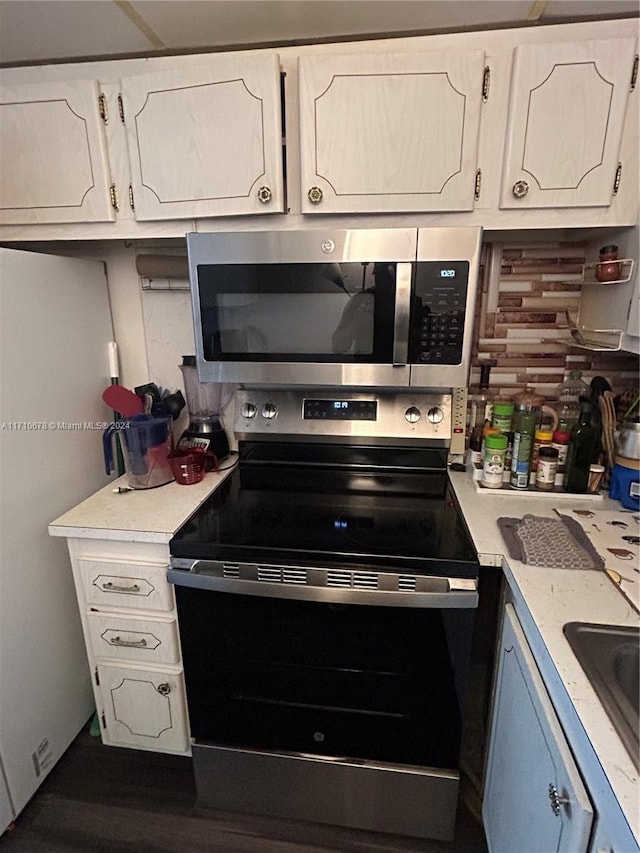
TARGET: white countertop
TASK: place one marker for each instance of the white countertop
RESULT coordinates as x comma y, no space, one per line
545,600
141,515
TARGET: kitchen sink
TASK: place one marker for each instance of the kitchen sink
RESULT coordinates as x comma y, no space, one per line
610,655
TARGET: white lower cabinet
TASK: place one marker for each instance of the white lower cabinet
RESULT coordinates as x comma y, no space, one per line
144,708
534,798
133,645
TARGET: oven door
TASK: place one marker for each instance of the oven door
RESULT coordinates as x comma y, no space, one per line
303,307
326,710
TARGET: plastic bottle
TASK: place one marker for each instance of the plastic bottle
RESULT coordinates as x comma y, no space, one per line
495,447
569,393
583,449
525,424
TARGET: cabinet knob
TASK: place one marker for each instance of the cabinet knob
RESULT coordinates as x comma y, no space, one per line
556,800
264,195
163,689
315,195
520,189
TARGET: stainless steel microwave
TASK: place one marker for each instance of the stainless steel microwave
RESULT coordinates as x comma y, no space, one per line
390,307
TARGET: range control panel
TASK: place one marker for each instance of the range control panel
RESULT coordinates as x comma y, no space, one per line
407,415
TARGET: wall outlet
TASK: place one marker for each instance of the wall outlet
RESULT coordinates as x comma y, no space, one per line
458,421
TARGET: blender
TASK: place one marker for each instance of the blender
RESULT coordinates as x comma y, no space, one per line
205,428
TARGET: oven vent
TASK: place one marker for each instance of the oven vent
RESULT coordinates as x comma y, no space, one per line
358,580
337,578
230,570
407,583
278,574
365,580
294,576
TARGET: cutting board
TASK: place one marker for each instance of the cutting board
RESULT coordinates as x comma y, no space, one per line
615,535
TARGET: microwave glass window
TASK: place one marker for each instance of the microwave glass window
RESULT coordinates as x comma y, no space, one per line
330,311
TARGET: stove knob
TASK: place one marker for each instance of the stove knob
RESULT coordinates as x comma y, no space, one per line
412,415
248,410
269,411
435,415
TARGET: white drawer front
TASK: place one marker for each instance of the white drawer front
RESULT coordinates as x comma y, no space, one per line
111,583
141,640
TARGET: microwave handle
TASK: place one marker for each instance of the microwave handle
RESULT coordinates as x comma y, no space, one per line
402,315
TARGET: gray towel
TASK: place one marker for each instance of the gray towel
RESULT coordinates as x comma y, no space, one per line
555,543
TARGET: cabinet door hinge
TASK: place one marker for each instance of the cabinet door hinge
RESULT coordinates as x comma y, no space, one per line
97,677
478,185
103,108
131,202
486,82
617,179
113,195
121,108
634,73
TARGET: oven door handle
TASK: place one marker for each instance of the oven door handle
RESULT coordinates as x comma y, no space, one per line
450,593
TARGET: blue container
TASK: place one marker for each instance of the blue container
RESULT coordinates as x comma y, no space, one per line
625,486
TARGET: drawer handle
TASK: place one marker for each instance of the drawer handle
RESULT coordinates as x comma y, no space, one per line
163,689
134,644
556,800
112,587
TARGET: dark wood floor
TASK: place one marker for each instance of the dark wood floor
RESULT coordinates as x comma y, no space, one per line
102,799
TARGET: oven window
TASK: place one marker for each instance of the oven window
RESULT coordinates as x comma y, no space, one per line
307,312
372,683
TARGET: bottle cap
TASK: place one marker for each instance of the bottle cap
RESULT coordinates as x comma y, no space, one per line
562,436
503,408
496,442
544,435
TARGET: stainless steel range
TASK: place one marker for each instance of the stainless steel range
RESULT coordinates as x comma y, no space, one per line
326,595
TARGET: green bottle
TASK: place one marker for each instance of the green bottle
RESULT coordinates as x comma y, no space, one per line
583,449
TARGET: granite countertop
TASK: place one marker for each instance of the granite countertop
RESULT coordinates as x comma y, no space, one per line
141,515
546,599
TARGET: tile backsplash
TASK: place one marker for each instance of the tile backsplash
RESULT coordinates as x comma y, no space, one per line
521,325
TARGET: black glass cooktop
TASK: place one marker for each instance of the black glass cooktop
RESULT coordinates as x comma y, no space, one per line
399,516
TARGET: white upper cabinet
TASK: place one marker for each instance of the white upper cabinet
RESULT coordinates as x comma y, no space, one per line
389,132
53,157
206,140
566,116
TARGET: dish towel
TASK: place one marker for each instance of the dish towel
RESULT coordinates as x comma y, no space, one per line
555,543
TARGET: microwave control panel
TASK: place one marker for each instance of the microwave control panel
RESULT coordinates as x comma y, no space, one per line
438,312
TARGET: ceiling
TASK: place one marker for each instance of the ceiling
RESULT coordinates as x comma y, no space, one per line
41,31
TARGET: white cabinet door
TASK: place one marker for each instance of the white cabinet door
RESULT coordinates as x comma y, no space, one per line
143,708
566,116
53,156
534,800
206,140
385,132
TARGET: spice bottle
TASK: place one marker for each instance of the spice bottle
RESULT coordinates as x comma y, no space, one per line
502,416
582,451
495,447
547,466
525,424
561,438
542,437
608,270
